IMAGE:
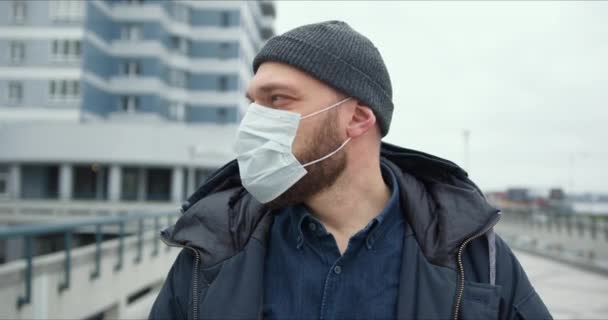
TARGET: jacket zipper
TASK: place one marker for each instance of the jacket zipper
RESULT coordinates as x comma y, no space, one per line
194,276
461,266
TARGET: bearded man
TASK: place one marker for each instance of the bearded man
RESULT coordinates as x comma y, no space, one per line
317,218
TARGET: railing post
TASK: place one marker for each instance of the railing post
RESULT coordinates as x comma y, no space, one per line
121,240
156,236
606,228
98,238
593,226
580,225
68,261
27,298
140,240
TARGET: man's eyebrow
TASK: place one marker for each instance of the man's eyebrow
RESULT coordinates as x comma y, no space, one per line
269,87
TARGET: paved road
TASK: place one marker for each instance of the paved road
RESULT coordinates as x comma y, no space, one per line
568,292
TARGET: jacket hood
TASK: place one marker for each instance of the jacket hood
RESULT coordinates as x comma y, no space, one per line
441,204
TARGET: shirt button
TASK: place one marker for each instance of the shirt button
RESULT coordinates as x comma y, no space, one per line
312,226
337,269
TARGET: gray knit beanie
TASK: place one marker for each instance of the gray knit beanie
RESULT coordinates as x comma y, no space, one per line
336,54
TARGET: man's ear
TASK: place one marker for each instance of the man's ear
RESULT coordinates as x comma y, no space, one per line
362,120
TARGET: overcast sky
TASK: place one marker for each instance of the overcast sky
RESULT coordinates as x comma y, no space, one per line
529,80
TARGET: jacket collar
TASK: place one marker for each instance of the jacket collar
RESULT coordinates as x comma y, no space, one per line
441,204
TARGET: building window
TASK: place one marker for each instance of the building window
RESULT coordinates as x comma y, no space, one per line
129,104
17,51
178,78
66,10
158,186
224,50
90,182
15,92
74,89
225,19
266,33
3,181
130,32
130,183
222,115
130,69
39,182
65,50
222,83
19,11
180,13
181,45
61,90
177,111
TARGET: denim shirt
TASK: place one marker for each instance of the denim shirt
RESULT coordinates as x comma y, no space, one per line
305,277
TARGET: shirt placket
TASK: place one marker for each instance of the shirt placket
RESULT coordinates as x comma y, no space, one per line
329,290
334,275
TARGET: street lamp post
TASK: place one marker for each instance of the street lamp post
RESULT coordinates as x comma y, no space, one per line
466,134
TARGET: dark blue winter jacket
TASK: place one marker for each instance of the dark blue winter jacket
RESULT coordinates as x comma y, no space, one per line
456,269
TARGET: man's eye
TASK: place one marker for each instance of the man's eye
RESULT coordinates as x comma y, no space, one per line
275,97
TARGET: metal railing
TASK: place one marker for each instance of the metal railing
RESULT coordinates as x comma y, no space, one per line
30,232
571,224
51,210
576,238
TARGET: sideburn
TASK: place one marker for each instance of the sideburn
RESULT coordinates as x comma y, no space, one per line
321,175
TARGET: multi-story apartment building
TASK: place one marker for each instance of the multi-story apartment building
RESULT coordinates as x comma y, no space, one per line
181,61
149,92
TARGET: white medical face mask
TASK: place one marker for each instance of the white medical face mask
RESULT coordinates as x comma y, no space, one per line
264,139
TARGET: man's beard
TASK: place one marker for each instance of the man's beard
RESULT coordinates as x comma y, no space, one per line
321,175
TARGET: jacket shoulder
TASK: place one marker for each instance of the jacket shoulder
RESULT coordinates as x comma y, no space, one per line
174,296
220,225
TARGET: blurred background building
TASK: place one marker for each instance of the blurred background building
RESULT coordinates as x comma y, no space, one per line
114,107
117,100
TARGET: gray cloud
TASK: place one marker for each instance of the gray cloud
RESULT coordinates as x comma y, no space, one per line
529,79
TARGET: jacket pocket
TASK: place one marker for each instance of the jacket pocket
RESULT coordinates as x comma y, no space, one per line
480,301
532,308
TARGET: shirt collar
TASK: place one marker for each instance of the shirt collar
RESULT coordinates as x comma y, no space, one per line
299,214
390,214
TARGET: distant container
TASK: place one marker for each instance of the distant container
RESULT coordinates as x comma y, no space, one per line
557,194
518,195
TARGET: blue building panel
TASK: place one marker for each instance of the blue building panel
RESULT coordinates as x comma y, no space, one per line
97,101
213,82
214,18
152,104
214,49
152,30
149,66
210,114
99,62
100,24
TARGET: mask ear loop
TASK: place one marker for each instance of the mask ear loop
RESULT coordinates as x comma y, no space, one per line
329,155
325,109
